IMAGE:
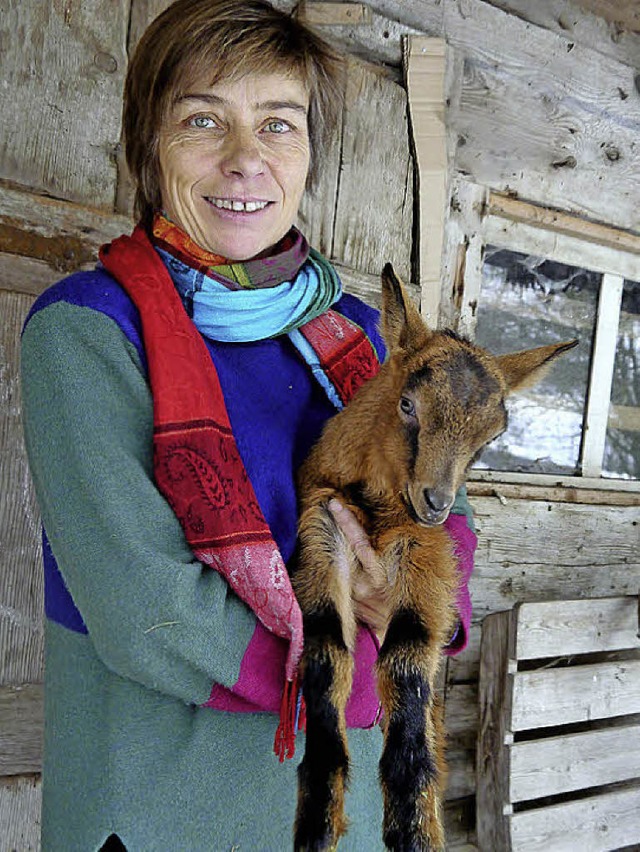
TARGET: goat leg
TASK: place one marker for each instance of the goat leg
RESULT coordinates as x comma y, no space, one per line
412,753
324,771
327,673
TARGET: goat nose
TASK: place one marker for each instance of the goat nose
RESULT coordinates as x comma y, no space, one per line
437,500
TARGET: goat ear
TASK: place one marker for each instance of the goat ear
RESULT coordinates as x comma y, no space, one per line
402,325
523,369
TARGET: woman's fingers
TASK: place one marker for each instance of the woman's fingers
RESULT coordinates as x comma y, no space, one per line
370,590
356,536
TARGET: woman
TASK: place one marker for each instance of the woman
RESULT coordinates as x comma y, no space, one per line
168,401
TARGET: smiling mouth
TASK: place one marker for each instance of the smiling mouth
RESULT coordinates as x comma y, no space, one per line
237,206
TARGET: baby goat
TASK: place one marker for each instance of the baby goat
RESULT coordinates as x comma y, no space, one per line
396,457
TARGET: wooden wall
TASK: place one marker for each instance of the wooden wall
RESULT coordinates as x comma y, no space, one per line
543,103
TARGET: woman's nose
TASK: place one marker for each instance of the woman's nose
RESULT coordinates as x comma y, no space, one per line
241,154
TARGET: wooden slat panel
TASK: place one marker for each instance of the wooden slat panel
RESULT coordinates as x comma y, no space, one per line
374,211
21,590
609,821
550,697
543,117
553,628
492,762
20,814
63,67
21,727
574,762
533,550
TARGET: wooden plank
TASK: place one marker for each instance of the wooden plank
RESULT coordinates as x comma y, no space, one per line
64,70
553,628
492,759
425,72
574,535
25,275
543,118
625,14
317,211
64,236
601,375
20,801
552,480
368,287
559,765
574,21
519,236
458,824
21,584
462,255
562,223
374,210
604,822
562,696
425,15
21,729
511,491
378,39
323,14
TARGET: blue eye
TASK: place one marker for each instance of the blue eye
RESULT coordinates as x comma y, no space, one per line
203,121
277,126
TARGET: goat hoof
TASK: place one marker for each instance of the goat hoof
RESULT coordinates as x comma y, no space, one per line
324,844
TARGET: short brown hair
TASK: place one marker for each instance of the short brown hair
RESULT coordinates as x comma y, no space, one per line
223,39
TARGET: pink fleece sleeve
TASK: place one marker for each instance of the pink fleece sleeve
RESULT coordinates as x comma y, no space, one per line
261,681
465,543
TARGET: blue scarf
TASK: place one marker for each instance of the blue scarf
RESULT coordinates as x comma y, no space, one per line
241,316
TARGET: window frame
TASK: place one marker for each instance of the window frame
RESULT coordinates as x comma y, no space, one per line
521,226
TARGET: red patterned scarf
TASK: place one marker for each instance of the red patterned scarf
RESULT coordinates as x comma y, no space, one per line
196,460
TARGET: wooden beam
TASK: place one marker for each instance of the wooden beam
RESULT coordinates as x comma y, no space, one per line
551,480
505,492
601,375
563,223
624,13
60,234
21,727
329,14
425,71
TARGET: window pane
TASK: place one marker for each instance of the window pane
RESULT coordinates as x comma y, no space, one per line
529,301
622,448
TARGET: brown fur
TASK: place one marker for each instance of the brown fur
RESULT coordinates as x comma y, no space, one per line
396,456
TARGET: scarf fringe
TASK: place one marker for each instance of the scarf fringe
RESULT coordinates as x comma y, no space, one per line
292,719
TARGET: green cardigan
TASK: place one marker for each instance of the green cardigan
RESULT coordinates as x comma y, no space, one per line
128,748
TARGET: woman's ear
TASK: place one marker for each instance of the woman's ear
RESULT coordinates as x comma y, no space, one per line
523,369
402,326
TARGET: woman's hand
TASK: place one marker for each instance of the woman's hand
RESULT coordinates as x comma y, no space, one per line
370,588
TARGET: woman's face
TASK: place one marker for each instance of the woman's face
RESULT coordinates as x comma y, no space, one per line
234,159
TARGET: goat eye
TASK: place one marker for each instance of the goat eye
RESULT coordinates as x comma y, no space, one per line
407,407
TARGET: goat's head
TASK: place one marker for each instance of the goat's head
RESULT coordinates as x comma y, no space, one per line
450,399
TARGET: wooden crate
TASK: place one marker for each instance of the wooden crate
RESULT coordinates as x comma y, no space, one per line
558,762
